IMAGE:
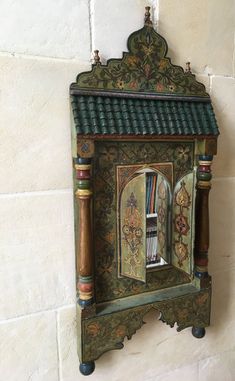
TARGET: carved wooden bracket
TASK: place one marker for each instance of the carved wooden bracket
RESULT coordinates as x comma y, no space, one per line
103,333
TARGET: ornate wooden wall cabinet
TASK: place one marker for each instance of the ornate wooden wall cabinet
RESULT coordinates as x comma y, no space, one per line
144,138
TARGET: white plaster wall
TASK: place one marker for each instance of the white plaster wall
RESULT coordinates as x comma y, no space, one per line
43,45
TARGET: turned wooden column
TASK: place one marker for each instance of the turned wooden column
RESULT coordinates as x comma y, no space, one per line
202,216
84,255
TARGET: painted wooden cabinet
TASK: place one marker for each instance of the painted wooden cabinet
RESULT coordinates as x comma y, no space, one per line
144,135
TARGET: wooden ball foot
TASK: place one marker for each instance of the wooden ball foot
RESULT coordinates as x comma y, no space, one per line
86,368
198,332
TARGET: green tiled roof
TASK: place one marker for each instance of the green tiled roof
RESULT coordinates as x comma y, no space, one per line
129,116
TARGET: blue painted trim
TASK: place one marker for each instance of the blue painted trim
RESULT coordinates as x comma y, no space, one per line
206,157
82,160
201,275
85,303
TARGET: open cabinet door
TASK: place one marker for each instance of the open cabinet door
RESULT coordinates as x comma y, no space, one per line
183,223
132,229
162,216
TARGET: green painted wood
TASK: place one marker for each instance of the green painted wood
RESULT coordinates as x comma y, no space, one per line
146,298
106,332
109,155
145,68
143,95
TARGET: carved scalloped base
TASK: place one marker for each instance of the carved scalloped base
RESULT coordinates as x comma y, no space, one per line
105,332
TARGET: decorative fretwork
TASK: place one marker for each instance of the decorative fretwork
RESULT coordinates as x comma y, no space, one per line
107,332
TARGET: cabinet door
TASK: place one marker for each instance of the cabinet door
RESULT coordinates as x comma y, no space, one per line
132,229
183,223
162,193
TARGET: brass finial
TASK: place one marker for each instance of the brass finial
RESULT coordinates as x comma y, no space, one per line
188,68
96,57
147,16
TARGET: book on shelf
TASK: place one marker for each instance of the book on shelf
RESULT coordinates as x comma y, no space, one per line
151,237
151,198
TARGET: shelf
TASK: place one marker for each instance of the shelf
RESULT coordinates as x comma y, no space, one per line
151,215
145,298
161,263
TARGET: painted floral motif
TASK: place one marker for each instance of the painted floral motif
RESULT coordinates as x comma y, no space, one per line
93,329
182,197
120,84
133,238
144,68
108,155
121,331
162,191
106,267
161,215
181,224
133,85
181,251
108,331
163,63
144,151
161,241
162,201
132,60
172,88
159,87
183,153
132,229
182,218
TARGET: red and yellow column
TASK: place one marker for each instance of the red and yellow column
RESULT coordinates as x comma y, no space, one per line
202,216
84,255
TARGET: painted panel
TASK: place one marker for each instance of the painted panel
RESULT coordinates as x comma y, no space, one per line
132,229
183,223
162,216
109,155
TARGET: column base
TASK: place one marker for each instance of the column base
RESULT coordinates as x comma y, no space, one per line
85,303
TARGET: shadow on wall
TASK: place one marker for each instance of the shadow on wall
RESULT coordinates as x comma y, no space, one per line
221,257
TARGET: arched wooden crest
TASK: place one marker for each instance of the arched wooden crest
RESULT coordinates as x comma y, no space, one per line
144,68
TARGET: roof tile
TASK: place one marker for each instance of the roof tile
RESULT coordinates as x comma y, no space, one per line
125,116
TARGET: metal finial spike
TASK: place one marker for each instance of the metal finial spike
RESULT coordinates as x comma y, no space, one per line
188,68
96,57
147,16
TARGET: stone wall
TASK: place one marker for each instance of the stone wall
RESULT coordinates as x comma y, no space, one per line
43,46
